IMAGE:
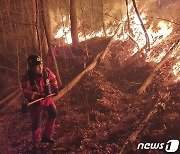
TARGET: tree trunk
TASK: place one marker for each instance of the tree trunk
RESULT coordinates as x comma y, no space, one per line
48,24
159,65
128,21
35,32
103,21
91,9
145,32
49,45
73,18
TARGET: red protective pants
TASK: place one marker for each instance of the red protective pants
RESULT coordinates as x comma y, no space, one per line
35,111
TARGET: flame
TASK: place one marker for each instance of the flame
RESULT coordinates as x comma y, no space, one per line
64,32
176,70
165,29
156,35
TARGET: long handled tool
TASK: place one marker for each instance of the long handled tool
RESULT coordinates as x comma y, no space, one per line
37,100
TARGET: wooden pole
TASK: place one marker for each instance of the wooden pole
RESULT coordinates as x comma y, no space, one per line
40,99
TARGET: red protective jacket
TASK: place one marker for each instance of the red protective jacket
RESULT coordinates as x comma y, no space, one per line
31,95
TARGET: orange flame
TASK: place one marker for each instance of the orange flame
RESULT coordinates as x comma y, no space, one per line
176,70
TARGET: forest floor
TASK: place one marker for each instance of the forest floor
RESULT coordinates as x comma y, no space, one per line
101,111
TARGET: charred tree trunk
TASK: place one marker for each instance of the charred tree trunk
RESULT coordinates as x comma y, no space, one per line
159,65
49,45
73,18
145,32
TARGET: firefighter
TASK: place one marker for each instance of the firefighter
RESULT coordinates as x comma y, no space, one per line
40,82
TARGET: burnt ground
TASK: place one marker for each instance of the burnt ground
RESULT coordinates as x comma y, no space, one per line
101,111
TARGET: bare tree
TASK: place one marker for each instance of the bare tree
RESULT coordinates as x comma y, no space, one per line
35,30
73,18
145,32
103,20
128,21
49,44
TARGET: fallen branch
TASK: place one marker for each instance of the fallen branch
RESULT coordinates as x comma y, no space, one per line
159,65
132,138
99,58
14,98
77,79
2,102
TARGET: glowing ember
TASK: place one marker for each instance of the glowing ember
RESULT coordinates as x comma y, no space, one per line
176,70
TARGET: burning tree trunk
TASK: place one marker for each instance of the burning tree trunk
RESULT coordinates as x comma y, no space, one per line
151,76
49,45
73,18
145,32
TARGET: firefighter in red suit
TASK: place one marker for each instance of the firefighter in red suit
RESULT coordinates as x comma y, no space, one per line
40,82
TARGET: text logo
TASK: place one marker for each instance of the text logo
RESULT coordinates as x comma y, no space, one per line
170,146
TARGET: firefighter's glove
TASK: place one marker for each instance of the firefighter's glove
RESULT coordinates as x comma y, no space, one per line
42,95
56,91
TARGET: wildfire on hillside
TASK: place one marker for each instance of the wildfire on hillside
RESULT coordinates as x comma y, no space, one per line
156,35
